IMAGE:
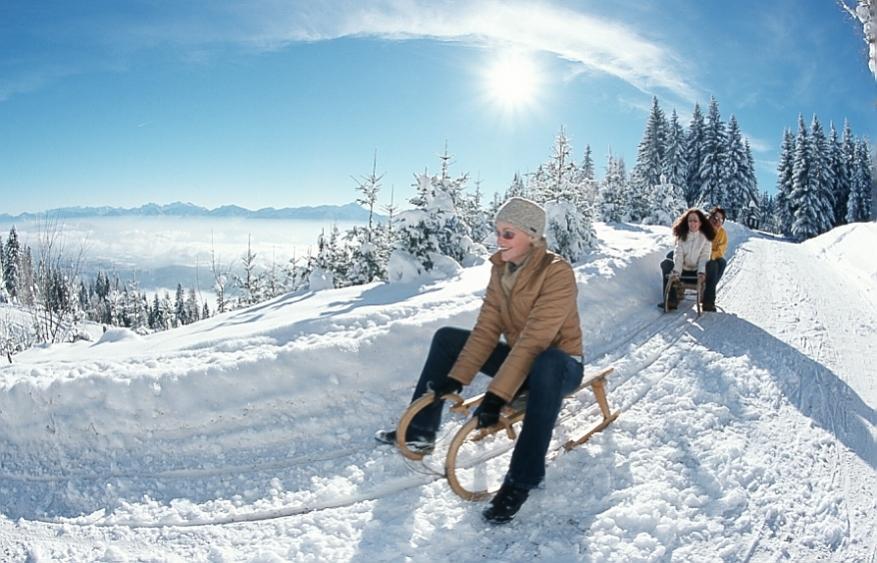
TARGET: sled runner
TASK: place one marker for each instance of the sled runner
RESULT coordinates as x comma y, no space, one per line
477,458
681,286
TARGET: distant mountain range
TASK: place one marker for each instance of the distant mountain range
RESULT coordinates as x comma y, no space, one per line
349,212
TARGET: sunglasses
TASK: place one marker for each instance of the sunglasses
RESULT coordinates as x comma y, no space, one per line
506,234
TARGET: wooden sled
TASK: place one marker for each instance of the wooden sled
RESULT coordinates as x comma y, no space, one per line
681,286
461,470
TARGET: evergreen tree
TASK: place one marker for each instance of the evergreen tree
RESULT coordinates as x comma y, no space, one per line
821,176
560,171
205,311
694,146
848,155
713,159
587,168
807,204
613,204
737,176
369,252
667,202
248,283
768,213
12,264
516,189
180,317
675,158
649,163
841,175
859,205
783,212
193,312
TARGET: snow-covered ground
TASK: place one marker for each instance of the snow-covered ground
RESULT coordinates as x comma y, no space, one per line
745,435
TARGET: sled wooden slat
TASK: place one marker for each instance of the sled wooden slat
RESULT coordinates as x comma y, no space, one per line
512,415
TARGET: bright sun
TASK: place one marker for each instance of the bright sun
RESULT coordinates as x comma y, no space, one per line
512,81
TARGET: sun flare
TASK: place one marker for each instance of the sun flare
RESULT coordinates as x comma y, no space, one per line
512,81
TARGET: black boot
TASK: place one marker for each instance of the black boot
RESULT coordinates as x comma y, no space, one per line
505,504
416,443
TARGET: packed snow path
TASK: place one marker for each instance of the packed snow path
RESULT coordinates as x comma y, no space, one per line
747,434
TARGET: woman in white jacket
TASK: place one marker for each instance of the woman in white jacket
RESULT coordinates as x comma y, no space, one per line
694,235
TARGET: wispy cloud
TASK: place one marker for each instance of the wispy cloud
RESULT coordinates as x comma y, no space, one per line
592,43
595,43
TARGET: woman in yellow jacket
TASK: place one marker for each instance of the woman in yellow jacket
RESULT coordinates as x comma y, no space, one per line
715,267
531,302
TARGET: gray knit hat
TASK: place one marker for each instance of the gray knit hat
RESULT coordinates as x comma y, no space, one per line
524,214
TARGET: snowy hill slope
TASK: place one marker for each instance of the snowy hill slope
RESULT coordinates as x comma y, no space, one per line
747,434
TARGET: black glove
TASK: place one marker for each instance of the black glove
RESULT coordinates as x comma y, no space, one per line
447,386
488,411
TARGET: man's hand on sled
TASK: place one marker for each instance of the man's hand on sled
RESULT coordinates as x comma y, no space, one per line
488,411
444,387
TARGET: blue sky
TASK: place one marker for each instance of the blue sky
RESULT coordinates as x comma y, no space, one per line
277,103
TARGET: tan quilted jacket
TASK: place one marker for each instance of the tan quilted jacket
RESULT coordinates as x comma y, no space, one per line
539,313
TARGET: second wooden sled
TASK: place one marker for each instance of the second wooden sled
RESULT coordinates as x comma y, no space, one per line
681,285
502,434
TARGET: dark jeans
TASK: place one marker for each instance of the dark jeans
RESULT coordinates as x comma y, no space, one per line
667,267
714,270
554,374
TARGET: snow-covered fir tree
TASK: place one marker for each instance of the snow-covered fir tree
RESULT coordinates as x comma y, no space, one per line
613,204
841,176
471,209
667,202
783,211
713,159
649,163
675,165
859,205
768,214
822,174
369,249
805,199
516,189
694,144
433,238
739,188
12,264
848,154
569,215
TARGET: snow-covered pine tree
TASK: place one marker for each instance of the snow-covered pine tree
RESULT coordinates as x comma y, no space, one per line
734,201
848,154
454,187
205,311
750,182
472,213
368,256
783,212
588,186
560,171
841,175
822,174
806,199
694,155
613,203
516,189
649,163
713,159
180,314
193,312
859,205
432,239
768,214
569,217
12,264
666,204
675,159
